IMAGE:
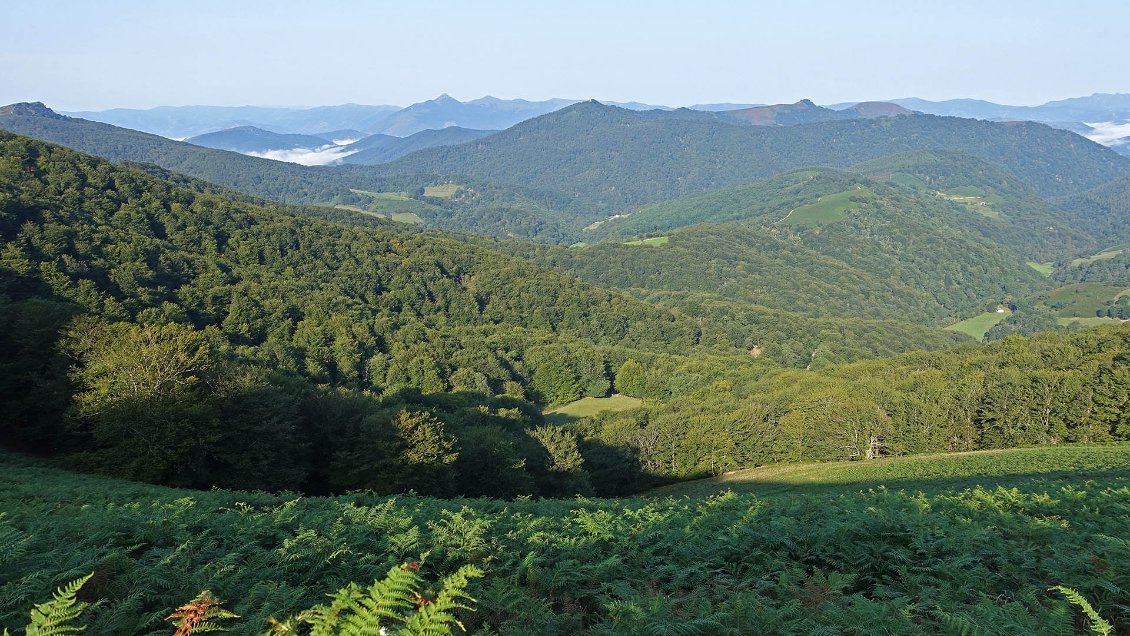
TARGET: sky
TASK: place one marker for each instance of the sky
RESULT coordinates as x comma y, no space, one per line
90,55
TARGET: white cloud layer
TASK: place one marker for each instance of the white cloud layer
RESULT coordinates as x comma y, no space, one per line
1108,133
306,156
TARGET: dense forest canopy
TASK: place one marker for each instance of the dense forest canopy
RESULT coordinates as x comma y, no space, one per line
115,270
615,159
184,326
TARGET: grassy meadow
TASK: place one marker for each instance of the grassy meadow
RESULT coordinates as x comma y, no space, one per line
441,191
828,209
975,200
397,206
1083,300
928,473
1108,253
979,325
587,406
655,240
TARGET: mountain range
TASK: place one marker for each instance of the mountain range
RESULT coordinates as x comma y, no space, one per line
181,122
551,176
355,148
1103,117
615,159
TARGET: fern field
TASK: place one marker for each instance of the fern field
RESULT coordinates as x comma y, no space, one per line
854,560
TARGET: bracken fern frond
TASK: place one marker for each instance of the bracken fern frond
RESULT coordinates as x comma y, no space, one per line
58,615
1098,625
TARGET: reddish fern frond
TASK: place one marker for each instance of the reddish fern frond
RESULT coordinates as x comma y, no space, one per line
200,615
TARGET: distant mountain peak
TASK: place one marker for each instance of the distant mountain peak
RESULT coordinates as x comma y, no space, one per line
878,109
30,109
803,111
446,99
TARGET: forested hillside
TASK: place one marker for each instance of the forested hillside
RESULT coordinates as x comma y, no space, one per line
549,177
275,180
321,334
1103,211
614,159
1004,208
187,326
1045,389
384,148
823,242
246,139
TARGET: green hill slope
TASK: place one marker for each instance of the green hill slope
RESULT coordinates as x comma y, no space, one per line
1006,209
925,473
795,560
819,241
1045,389
384,148
613,160
251,139
1000,207
1103,211
616,159
316,332
300,328
275,180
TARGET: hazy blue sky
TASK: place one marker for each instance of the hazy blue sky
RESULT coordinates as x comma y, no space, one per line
105,53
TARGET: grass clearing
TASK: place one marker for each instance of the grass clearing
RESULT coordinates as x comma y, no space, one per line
975,200
587,406
979,325
442,191
1044,268
1093,321
655,240
828,209
926,473
405,217
397,206
908,180
1108,253
1083,300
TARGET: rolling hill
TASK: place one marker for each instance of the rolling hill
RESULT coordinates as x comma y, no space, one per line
1103,211
1096,107
607,158
1006,209
823,242
486,113
282,286
583,164
805,112
977,195
379,149
246,139
275,180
